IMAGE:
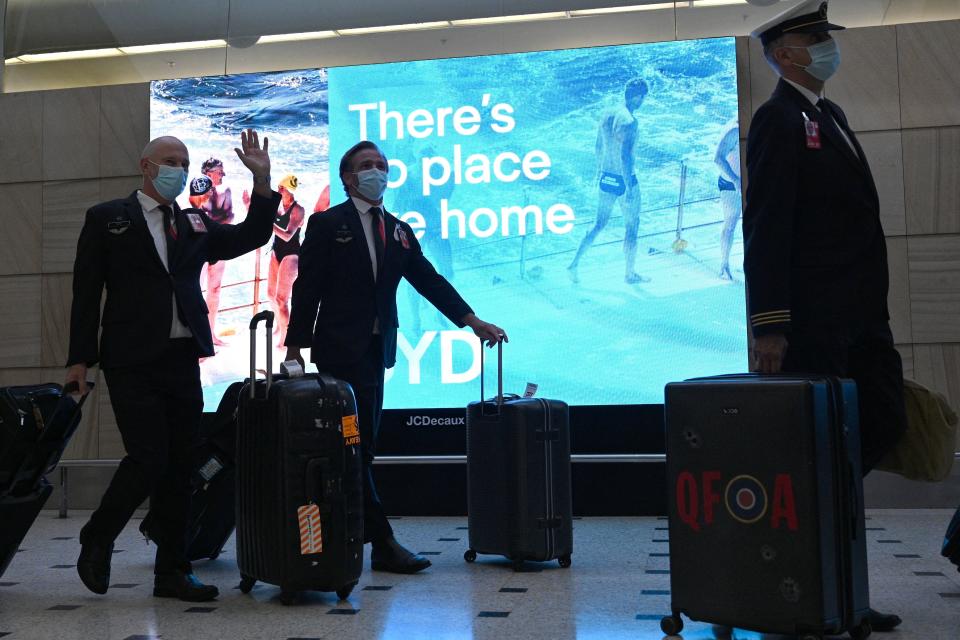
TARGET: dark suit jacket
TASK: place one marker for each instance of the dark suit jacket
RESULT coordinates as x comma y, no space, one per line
336,277
116,249
814,250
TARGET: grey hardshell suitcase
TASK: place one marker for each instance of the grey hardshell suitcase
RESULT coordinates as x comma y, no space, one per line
299,488
766,505
518,477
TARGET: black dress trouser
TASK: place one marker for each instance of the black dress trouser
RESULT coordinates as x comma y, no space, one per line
865,354
366,377
158,407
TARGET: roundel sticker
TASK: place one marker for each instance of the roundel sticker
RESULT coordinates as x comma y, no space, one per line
746,499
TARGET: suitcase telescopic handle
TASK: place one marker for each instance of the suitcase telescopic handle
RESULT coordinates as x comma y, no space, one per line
499,377
263,316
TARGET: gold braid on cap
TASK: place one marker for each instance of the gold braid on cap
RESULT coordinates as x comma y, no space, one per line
804,24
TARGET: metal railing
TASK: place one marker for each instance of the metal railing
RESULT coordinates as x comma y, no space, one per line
257,279
580,458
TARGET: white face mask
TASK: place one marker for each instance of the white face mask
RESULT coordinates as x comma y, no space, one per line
371,183
170,181
824,59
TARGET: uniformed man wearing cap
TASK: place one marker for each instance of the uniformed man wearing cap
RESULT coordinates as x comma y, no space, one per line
815,255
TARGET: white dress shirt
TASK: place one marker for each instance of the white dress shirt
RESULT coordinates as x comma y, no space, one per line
155,223
366,219
814,99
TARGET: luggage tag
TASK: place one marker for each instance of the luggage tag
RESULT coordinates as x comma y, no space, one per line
812,130
311,535
351,430
343,234
118,226
196,223
212,467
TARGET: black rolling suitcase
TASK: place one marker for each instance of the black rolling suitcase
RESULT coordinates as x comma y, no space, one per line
951,541
518,477
766,505
213,482
299,487
36,423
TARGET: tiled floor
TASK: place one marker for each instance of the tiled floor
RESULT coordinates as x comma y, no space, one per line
618,587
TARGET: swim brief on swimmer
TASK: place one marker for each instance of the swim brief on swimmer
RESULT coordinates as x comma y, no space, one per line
725,185
612,183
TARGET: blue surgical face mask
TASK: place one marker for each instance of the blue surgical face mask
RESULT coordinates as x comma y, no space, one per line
824,59
371,183
170,181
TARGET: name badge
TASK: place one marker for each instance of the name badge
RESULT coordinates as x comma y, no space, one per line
196,222
812,131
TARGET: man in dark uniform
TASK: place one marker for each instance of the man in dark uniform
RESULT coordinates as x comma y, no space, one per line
351,262
814,251
148,253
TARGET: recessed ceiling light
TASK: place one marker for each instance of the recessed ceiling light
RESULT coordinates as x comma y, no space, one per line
526,17
708,3
416,26
296,37
628,9
56,56
174,46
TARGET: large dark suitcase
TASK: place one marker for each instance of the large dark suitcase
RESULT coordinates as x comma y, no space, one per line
951,541
36,423
518,477
766,505
17,514
299,487
213,482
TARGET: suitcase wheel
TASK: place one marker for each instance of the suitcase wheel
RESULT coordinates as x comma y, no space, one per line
470,555
287,598
345,592
671,625
518,565
564,561
246,583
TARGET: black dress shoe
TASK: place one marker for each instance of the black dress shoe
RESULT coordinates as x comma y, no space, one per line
882,622
93,566
390,555
185,586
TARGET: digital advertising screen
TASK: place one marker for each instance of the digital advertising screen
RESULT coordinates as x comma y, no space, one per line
586,200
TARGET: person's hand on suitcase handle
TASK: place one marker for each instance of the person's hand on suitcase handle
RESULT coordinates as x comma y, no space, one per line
486,331
768,353
293,353
77,376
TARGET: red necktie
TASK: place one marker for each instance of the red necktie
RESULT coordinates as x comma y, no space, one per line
381,244
171,230
169,222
